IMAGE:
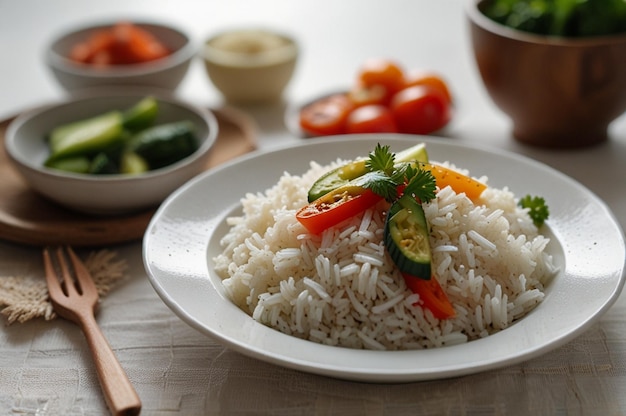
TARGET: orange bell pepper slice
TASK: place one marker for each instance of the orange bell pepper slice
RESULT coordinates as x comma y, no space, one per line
459,182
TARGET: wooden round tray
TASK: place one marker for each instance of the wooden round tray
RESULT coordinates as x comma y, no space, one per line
28,218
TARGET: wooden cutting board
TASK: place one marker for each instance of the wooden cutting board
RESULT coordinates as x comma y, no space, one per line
27,218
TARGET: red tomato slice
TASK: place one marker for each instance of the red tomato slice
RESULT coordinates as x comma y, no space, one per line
432,296
139,45
371,119
418,77
383,72
420,110
94,48
326,116
122,44
335,207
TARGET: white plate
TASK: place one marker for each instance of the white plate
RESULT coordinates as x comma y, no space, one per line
184,236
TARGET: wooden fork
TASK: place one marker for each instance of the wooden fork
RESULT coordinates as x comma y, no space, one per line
76,300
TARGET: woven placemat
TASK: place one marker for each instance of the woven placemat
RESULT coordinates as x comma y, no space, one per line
23,298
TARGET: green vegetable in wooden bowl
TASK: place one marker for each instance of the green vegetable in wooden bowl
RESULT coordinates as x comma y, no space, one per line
555,67
568,18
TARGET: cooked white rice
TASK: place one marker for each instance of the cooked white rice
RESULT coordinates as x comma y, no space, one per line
342,289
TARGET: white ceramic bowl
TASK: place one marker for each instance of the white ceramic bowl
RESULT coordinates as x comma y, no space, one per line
165,73
250,65
104,194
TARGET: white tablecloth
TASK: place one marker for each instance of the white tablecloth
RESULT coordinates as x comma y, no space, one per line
45,367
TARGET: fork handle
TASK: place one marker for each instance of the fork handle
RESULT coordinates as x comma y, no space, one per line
119,393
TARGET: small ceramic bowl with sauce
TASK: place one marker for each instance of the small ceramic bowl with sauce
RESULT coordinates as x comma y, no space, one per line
250,65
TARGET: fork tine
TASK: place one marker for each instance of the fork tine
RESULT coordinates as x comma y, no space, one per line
70,284
52,279
82,274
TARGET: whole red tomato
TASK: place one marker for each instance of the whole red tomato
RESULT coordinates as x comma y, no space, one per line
371,119
361,95
420,77
381,72
420,109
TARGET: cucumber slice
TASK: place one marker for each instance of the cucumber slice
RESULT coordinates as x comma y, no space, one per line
344,174
336,178
415,153
142,115
86,137
103,164
75,164
132,164
407,237
165,144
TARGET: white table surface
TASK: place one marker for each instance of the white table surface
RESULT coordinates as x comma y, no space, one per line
45,368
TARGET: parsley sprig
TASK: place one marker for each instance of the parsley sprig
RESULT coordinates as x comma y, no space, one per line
385,175
537,209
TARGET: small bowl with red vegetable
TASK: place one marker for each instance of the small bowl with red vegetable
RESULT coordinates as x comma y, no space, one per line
120,53
113,153
385,98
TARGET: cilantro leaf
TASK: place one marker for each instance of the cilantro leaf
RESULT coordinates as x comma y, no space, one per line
381,159
422,185
380,184
385,176
537,209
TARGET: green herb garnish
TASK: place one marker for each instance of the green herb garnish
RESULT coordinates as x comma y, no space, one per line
537,209
384,176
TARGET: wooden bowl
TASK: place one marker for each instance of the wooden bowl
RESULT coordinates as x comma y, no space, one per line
559,92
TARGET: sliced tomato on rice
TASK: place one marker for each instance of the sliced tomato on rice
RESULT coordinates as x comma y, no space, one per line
336,206
432,296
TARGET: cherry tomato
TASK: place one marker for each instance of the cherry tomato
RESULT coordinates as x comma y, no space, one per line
335,207
431,295
326,116
419,77
361,95
421,109
371,119
382,72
